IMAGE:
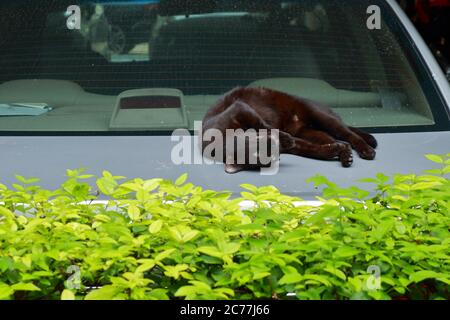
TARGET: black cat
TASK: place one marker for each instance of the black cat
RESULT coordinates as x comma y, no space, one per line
306,128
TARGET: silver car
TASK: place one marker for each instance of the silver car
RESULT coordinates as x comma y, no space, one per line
66,102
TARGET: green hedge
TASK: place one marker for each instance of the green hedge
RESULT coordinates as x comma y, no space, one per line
158,239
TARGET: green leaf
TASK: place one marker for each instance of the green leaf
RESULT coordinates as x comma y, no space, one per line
325,211
422,275
5,264
67,295
182,233
446,170
102,218
434,158
186,291
155,226
105,293
6,213
165,254
321,279
175,271
382,230
338,273
151,185
400,228
210,251
146,264
20,179
5,291
434,171
379,295
107,174
157,294
25,287
133,212
231,247
107,185
425,185
181,179
319,180
26,181
249,187
291,275
290,278
187,236
444,278
382,177
345,252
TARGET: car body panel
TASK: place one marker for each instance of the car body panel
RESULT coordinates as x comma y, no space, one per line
47,157
150,157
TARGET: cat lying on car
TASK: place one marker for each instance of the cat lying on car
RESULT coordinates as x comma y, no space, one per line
305,128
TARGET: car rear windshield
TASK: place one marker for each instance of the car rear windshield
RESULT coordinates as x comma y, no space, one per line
143,66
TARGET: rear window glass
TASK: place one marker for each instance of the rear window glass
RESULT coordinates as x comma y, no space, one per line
59,76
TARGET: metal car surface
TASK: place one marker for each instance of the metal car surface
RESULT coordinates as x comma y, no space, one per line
148,156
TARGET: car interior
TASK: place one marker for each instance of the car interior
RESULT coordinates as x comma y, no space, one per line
315,49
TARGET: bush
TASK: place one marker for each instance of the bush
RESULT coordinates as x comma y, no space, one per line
157,239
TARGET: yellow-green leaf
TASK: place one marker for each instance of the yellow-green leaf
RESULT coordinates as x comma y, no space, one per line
6,213
133,212
67,295
338,273
434,158
290,278
210,251
25,287
161,256
155,227
107,185
105,293
189,235
5,291
147,264
345,251
422,275
181,179
425,185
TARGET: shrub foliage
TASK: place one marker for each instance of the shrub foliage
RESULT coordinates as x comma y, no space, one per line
158,239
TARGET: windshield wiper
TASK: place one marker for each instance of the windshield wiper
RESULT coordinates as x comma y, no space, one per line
23,109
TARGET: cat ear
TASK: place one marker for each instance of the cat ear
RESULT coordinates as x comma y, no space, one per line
233,168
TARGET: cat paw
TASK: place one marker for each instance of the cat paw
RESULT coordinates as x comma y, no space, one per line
333,150
287,142
346,157
233,168
371,141
367,153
